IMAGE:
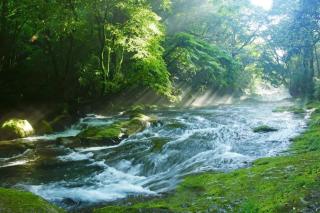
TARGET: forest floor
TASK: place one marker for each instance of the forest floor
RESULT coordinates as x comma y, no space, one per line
289,183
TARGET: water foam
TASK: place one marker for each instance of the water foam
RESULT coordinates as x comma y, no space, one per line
211,139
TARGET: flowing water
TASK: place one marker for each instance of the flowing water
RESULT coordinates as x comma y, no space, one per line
186,141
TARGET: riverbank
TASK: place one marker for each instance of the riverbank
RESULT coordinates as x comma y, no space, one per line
16,201
288,183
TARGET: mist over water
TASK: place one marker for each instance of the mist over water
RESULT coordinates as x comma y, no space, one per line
188,141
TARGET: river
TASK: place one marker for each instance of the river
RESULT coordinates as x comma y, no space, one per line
186,141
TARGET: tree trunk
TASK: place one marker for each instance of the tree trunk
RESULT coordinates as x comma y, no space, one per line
308,63
52,56
3,34
317,60
121,61
106,74
102,49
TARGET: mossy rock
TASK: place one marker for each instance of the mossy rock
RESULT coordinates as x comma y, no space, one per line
12,148
264,129
99,133
135,110
293,109
140,108
176,125
158,143
16,128
24,202
116,132
61,122
44,127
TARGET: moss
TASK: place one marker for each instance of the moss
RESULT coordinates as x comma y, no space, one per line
280,184
158,143
44,127
98,133
264,128
9,148
135,109
119,129
139,109
176,125
16,128
61,122
293,109
24,202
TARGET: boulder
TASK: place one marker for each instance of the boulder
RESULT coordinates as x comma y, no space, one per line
58,123
293,109
175,125
15,128
114,133
43,127
264,129
158,143
9,148
61,122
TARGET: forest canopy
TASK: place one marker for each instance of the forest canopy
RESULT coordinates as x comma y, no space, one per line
73,50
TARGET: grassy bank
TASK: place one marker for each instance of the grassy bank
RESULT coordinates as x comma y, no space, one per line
24,202
281,184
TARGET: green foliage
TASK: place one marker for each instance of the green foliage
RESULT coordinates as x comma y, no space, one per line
129,51
297,37
201,64
77,49
80,48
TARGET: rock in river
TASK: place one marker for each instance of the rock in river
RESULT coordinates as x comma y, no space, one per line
114,133
15,128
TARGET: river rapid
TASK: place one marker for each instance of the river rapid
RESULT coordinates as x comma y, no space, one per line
186,141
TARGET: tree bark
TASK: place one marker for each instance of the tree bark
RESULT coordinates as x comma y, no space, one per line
3,36
317,60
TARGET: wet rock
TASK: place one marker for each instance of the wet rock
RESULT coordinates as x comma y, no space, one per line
44,127
61,122
15,128
70,202
158,143
264,129
293,109
13,148
56,123
138,109
66,141
176,125
134,110
114,133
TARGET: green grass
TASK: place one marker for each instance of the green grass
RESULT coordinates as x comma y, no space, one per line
281,184
16,201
